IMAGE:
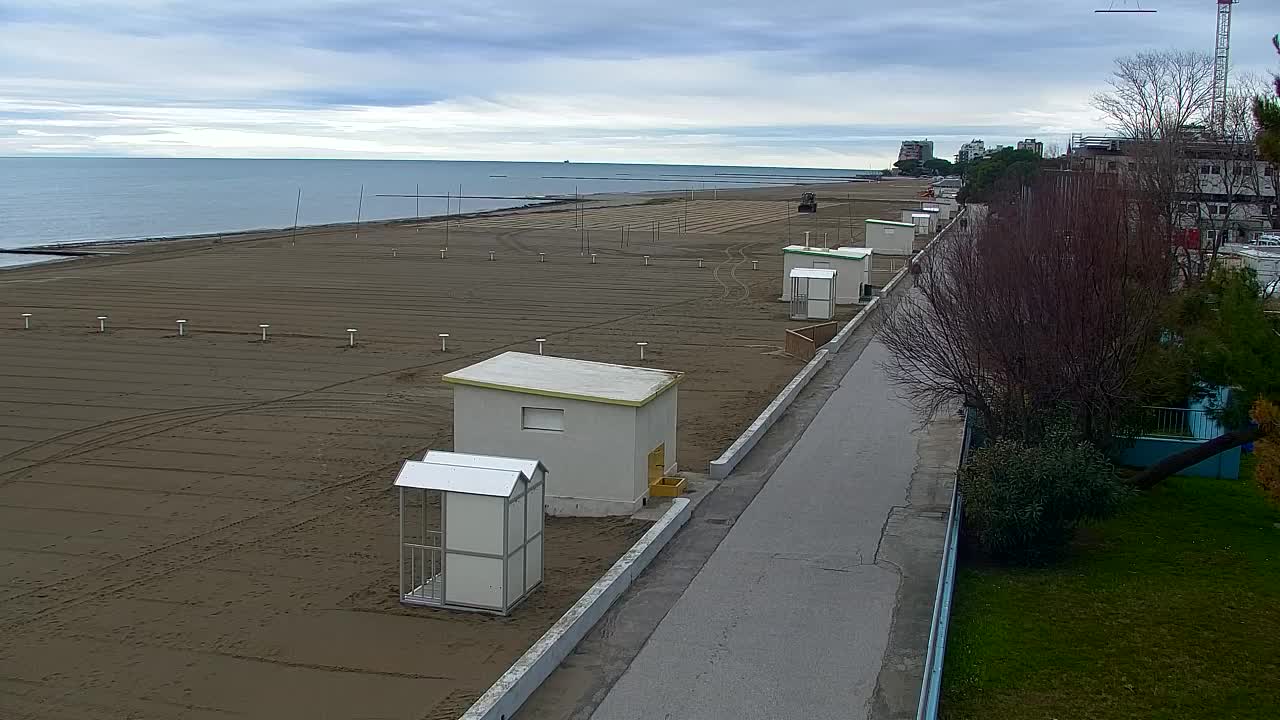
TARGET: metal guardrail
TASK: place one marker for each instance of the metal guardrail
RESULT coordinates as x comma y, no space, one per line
931,685
1178,423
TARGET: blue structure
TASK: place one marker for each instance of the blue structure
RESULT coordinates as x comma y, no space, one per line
1172,430
1147,451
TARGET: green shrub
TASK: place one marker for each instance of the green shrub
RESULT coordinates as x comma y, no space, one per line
1023,503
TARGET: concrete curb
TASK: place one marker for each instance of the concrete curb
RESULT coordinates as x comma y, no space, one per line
524,676
723,465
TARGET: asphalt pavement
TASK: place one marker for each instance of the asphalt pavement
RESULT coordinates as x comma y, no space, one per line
792,615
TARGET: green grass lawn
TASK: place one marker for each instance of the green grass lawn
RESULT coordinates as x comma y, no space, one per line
1169,610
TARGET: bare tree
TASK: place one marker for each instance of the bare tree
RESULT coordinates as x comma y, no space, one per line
1159,102
1044,307
1157,95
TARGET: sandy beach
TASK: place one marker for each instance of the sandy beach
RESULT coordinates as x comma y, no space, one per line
202,525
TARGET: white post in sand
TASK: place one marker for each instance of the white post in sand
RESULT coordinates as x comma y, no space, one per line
490,256
646,260
26,321
393,253
642,347
593,258
806,238
755,264
182,327
102,323
264,327
444,342
351,337
442,252
699,262
542,257
540,341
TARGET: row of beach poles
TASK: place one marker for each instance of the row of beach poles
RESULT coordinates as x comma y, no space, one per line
264,337
542,257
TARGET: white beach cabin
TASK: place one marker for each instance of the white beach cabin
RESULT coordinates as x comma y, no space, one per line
606,431
890,238
852,266
485,552
813,294
946,208
919,219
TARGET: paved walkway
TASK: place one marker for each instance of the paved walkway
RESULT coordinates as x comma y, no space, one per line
823,580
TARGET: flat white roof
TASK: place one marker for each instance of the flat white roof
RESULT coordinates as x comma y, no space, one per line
844,252
919,214
931,209
817,273
567,378
875,221
459,479
491,462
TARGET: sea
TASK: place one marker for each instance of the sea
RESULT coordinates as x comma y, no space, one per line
56,200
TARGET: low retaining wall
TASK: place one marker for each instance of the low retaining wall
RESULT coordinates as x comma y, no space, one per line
936,650
723,465
515,686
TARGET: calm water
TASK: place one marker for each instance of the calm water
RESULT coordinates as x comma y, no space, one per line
59,200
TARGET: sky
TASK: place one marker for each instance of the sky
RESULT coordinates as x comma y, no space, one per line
820,83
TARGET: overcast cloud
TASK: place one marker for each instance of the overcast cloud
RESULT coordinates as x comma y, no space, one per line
819,83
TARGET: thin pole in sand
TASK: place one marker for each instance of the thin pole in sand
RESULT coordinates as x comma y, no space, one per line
448,208
491,256
26,321
593,258
646,261
699,262
297,208
102,323
417,211
263,327
182,328
542,257
444,251
787,210
351,337
359,210
540,342
642,346
444,342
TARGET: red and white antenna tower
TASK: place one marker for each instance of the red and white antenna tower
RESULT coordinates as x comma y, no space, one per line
1222,63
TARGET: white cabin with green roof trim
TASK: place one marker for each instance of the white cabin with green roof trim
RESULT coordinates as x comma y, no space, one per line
888,237
852,266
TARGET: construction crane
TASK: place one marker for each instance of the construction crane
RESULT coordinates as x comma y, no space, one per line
1222,64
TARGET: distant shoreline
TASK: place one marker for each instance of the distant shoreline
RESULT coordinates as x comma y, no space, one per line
67,250
70,247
